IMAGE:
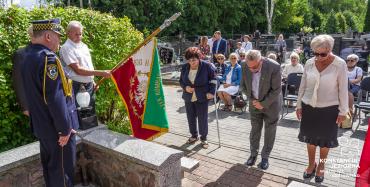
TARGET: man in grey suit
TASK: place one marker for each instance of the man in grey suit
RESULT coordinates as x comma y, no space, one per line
261,82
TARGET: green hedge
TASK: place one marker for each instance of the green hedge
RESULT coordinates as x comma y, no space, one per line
109,39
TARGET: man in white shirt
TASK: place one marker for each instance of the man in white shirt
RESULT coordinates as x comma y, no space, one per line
78,64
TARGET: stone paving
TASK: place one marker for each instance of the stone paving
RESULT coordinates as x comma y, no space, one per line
287,161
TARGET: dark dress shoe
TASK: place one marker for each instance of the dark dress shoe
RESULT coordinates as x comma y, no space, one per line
309,175
264,164
319,179
251,160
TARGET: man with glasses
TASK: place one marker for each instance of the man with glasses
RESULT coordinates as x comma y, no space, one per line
261,82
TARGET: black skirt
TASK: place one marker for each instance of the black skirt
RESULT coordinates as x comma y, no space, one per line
318,126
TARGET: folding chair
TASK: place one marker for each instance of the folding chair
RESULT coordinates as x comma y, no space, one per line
293,80
363,103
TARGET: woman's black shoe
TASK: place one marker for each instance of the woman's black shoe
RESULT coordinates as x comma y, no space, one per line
319,179
309,175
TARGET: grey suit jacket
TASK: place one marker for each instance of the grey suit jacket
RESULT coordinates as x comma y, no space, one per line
269,86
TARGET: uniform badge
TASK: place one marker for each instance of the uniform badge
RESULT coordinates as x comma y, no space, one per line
52,71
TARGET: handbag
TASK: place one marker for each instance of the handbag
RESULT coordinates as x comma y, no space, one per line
347,123
239,101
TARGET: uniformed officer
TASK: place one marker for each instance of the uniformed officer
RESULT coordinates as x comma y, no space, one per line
17,74
51,107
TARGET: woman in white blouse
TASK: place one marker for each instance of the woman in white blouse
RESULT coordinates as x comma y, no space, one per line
322,103
293,67
247,45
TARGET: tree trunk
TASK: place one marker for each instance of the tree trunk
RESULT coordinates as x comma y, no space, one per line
89,3
69,3
269,13
81,4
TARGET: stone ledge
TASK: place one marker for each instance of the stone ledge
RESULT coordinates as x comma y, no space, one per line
18,156
29,152
149,154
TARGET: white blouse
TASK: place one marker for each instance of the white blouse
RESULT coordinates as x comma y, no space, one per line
326,88
298,68
192,75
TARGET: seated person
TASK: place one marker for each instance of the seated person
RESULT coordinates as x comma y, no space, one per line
239,49
241,58
220,66
354,74
231,81
293,67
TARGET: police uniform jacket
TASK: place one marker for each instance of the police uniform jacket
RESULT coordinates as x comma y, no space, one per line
52,112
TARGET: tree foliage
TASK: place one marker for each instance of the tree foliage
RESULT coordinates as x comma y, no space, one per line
367,19
331,23
109,39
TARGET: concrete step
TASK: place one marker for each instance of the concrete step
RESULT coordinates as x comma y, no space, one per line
189,164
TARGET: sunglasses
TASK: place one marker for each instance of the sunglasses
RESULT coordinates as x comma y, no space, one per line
321,54
219,58
242,55
233,58
351,60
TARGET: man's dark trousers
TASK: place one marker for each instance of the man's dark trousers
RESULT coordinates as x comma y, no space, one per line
57,161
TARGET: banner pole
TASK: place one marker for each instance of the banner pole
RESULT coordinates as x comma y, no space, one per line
165,24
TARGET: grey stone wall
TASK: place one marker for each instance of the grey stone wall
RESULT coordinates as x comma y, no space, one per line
29,174
112,159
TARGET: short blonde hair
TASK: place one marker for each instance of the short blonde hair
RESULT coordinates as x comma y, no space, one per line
73,24
233,54
220,55
322,41
253,55
294,54
353,56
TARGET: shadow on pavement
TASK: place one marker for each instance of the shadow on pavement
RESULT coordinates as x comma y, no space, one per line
239,175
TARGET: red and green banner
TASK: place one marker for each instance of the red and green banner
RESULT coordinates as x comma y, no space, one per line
363,172
139,83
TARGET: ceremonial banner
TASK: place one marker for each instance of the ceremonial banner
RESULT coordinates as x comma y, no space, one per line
363,172
139,83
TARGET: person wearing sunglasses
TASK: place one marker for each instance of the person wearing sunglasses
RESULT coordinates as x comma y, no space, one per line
231,81
322,103
261,83
220,65
354,77
241,58
196,81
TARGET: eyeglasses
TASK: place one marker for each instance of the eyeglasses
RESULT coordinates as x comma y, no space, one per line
321,54
351,60
233,58
242,55
219,58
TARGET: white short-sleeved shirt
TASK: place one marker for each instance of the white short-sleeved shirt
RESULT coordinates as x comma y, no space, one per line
354,74
70,53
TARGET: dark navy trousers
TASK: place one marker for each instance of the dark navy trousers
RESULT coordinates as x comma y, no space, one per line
197,110
57,162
